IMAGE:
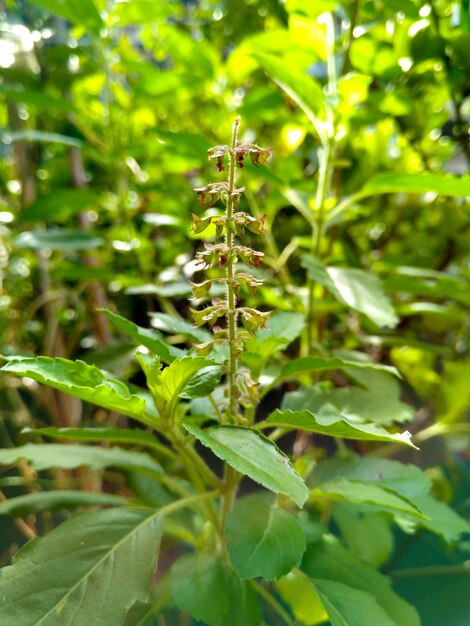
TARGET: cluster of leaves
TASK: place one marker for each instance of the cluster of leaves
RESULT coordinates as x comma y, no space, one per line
106,112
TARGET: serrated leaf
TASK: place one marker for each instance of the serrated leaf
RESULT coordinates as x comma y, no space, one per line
54,500
43,456
359,492
357,405
360,290
210,591
407,480
89,570
153,340
86,382
335,425
250,453
263,540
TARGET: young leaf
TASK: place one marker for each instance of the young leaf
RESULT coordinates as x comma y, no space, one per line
210,591
89,570
263,540
68,456
180,375
153,340
54,500
336,426
86,382
299,592
250,453
202,383
360,290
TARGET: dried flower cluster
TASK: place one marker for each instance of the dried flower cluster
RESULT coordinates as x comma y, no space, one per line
225,255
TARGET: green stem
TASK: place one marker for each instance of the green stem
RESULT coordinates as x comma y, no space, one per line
182,504
438,570
271,600
194,460
231,310
324,175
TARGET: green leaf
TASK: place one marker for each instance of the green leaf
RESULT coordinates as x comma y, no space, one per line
355,288
59,205
329,561
313,363
250,453
347,606
89,570
210,591
21,506
282,329
39,99
442,520
86,382
335,425
203,382
113,435
68,456
175,325
58,239
302,88
140,12
418,182
357,405
179,376
81,12
263,540
299,592
368,535
359,492
407,480
40,136
153,340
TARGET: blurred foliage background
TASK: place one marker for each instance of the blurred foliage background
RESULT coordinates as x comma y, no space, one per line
106,111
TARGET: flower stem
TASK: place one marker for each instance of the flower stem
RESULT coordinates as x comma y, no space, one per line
231,311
